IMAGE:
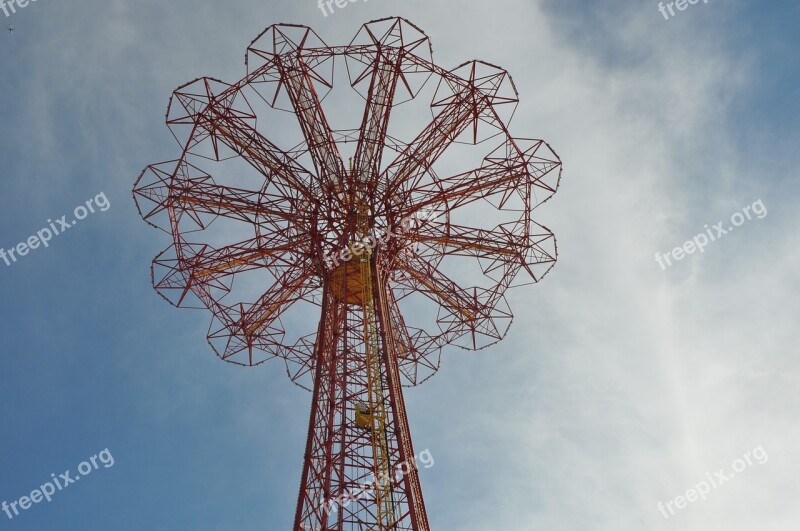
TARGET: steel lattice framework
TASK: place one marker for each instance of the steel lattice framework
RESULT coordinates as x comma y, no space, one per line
355,229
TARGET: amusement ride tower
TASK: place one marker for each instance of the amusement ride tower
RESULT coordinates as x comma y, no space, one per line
360,230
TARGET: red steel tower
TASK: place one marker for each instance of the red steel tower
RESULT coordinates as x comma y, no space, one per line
369,231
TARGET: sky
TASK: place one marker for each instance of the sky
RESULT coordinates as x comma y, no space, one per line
622,383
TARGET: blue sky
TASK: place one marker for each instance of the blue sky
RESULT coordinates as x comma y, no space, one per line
620,384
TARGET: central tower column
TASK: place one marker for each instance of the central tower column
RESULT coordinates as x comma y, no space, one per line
359,472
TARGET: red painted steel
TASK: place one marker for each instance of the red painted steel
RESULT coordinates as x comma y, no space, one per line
304,204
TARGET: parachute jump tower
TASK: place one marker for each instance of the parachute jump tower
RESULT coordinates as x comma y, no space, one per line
368,231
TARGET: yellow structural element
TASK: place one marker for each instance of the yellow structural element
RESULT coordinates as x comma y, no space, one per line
347,282
364,418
